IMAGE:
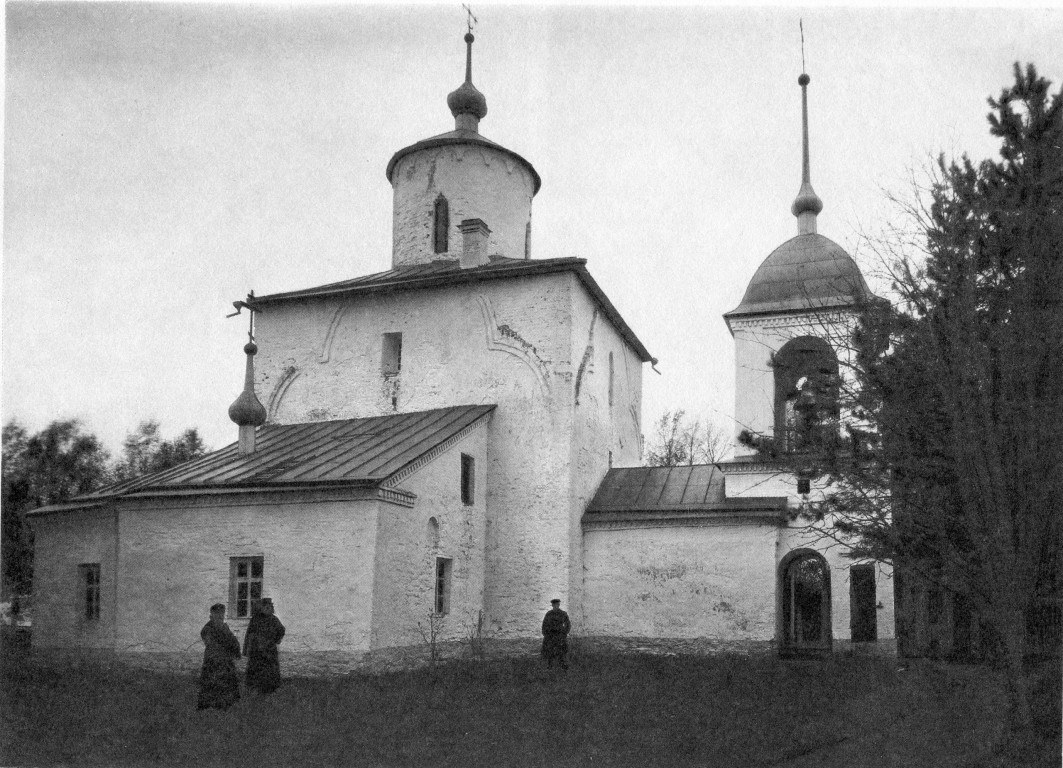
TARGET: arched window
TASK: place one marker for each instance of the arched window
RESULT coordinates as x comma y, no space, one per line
440,224
806,394
805,603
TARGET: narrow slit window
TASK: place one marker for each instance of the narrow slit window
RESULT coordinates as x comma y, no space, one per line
89,578
245,585
391,356
442,596
468,479
440,224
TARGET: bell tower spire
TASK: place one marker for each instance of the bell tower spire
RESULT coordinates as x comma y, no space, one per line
807,205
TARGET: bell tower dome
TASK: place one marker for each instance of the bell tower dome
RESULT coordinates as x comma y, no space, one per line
799,303
459,176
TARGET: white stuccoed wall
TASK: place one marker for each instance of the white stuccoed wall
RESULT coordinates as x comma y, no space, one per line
715,581
479,183
408,546
515,343
318,568
61,543
599,429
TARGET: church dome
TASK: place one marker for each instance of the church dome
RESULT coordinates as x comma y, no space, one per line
458,176
809,271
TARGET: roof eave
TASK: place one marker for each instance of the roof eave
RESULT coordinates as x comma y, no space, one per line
458,277
476,140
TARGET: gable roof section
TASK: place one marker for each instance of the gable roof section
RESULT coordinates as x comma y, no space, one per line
354,452
645,494
445,272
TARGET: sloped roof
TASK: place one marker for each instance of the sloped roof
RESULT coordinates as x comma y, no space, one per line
644,488
808,271
641,492
364,451
460,136
450,272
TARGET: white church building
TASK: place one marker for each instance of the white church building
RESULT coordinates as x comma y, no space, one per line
457,440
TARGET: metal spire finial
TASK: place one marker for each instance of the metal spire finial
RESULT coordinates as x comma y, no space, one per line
472,19
807,205
249,306
467,104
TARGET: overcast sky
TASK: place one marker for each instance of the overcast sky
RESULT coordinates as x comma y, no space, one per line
160,161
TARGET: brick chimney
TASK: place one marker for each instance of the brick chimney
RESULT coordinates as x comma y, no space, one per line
474,243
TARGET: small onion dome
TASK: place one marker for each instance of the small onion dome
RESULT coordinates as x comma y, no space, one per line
806,272
807,201
466,100
246,410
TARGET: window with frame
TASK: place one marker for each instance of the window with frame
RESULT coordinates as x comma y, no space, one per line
89,579
391,354
442,595
468,479
245,585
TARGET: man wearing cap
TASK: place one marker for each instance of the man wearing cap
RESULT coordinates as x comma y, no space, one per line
555,635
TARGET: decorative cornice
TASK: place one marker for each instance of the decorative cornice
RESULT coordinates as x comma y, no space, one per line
612,521
193,498
758,467
432,455
807,318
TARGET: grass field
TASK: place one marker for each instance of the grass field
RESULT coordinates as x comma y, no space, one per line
606,710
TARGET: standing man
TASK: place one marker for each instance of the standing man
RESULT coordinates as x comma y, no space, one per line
555,635
219,687
264,633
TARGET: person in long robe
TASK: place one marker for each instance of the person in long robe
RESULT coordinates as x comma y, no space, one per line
264,633
556,627
219,686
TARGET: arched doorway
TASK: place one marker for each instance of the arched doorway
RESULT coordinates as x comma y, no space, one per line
805,604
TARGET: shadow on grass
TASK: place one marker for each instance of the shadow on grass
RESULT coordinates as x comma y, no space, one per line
608,709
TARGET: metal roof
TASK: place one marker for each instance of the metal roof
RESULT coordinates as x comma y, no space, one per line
349,451
646,488
443,272
461,136
809,271
627,492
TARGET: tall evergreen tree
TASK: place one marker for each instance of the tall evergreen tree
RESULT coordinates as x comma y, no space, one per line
951,465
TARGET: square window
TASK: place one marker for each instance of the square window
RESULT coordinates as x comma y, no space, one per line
245,585
468,479
391,356
89,598
804,486
442,595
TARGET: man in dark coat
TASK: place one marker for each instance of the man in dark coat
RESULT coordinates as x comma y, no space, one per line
219,687
555,635
264,633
